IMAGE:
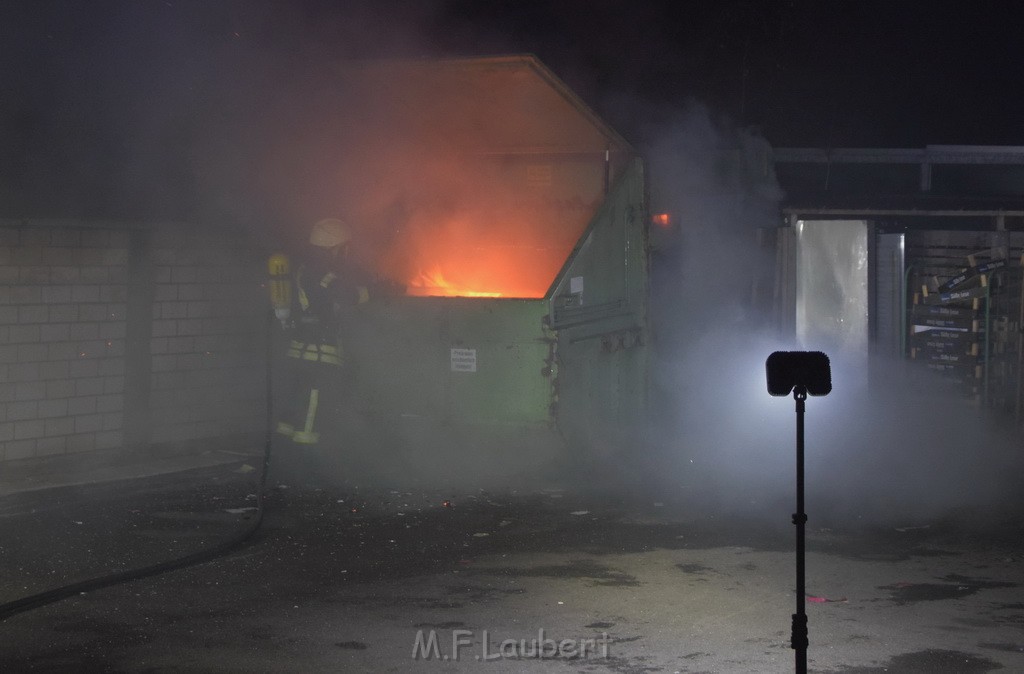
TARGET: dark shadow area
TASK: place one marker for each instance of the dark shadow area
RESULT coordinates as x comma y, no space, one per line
63,535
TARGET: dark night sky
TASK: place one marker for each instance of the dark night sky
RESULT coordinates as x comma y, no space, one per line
804,73
99,87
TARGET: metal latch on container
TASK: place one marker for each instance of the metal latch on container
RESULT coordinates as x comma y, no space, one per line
621,340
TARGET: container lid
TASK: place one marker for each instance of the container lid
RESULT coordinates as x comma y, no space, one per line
482,105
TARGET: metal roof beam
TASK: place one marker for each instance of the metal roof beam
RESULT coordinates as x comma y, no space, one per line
792,210
932,154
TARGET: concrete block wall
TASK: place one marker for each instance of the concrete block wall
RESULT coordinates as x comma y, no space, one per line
62,339
207,343
127,337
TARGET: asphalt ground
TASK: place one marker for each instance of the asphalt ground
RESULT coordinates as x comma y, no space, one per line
341,578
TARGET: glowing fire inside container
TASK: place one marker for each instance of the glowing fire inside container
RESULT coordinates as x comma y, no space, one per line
435,284
465,178
465,256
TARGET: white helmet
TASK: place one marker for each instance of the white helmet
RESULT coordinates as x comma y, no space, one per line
330,233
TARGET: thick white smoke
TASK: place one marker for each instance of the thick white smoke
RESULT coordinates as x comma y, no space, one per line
888,445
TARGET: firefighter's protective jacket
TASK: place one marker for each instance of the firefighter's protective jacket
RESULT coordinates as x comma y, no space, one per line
326,291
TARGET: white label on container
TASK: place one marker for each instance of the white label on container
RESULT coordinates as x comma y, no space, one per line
463,360
576,284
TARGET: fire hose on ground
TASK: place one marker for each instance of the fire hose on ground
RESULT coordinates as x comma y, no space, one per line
40,599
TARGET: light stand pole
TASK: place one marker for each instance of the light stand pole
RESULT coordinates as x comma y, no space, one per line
798,635
803,373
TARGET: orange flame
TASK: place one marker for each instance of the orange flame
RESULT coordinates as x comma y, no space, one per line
477,257
434,284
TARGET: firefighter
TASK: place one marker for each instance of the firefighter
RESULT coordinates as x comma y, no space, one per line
327,286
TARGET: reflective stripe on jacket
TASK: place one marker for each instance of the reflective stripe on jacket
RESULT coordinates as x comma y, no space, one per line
329,354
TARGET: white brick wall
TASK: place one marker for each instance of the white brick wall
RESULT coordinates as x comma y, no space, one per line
63,329
208,323
61,324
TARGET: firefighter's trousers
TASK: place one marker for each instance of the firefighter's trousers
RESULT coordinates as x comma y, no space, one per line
313,382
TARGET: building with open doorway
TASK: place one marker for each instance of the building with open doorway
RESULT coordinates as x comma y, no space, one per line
908,253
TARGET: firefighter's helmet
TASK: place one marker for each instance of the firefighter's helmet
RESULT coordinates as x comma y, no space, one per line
330,233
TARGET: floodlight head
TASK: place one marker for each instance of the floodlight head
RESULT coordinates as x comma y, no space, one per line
806,370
